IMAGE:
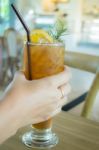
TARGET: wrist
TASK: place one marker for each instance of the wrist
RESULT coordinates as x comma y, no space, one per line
8,119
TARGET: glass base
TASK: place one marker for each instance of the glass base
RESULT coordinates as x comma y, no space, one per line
40,139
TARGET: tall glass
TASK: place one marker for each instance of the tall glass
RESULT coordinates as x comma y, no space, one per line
46,60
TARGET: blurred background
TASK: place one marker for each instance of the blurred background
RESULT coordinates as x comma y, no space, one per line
82,17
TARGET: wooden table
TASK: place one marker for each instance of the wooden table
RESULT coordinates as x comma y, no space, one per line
75,133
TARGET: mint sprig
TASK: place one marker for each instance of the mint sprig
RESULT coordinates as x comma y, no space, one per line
59,30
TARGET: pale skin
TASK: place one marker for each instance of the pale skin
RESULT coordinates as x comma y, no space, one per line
30,102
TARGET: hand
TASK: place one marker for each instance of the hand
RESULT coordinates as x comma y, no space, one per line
38,100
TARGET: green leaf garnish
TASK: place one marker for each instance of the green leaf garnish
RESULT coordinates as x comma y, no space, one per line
59,30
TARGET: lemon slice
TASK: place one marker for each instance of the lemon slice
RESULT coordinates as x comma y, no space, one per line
40,36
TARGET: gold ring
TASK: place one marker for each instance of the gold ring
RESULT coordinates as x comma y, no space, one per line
62,93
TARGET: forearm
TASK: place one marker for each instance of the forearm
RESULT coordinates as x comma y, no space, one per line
8,125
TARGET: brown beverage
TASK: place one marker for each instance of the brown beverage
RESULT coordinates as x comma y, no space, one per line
46,60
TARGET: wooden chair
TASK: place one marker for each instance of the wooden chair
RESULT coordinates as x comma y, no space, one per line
2,63
1,59
12,41
87,63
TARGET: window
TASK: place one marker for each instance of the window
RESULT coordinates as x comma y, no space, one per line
4,9
4,15
90,31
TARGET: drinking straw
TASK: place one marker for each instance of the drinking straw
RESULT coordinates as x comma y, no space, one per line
28,37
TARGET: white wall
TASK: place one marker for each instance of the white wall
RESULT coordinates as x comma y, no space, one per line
25,5
81,81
